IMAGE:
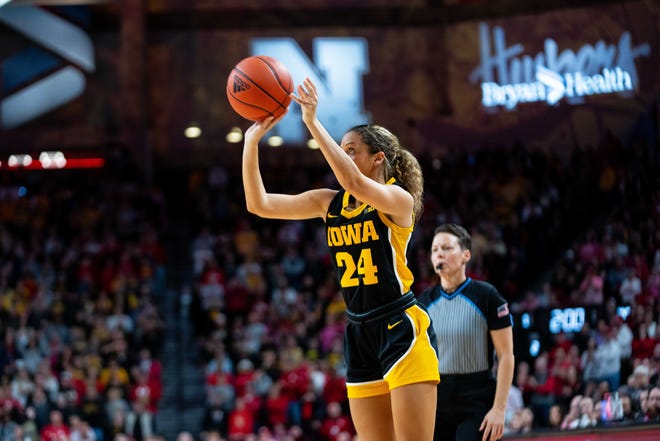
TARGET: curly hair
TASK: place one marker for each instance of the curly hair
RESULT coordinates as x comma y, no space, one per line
399,163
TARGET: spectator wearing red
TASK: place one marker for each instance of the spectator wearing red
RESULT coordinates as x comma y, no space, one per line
295,378
560,349
546,386
236,298
309,409
277,406
241,421
107,275
334,389
56,430
253,402
642,344
335,423
146,391
553,385
153,368
244,375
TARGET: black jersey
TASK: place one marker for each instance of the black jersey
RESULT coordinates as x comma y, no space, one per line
369,254
462,321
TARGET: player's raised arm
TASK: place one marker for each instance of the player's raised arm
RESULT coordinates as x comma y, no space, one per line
307,205
363,169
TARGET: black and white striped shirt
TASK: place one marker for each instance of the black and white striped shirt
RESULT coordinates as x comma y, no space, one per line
462,321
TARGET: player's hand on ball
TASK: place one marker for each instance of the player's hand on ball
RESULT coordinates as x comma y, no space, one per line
258,129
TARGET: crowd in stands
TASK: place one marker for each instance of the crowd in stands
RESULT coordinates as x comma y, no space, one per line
82,266
609,372
81,270
548,231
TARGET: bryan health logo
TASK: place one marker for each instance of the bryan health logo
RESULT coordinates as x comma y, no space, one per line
47,74
550,76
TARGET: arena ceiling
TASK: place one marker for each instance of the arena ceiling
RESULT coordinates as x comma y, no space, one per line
164,15
137,24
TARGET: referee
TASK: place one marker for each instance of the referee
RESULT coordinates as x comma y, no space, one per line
470,319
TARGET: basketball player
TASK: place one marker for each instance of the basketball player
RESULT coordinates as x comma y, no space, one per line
470,317
389,345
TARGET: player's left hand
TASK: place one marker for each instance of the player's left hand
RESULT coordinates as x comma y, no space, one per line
493,425
308,99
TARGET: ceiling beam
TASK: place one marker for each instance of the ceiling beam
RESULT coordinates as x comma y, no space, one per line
431,14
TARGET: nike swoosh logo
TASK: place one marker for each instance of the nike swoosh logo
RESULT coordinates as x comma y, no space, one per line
333,215
393,325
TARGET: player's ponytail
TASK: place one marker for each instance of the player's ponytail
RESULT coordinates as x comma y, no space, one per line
407,171
399,163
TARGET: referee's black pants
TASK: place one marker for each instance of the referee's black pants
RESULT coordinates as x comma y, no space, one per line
463,402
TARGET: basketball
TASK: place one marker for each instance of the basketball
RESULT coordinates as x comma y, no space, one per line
258,87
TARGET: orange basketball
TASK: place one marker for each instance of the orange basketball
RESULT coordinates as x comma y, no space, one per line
258,87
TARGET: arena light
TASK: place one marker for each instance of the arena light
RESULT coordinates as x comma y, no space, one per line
50,160
54,159
19,160
526,320
192,131
3,2
70,163
235,135
534,347
312,144
275,141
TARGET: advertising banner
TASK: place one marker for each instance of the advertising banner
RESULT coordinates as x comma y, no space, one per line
564,75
